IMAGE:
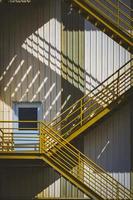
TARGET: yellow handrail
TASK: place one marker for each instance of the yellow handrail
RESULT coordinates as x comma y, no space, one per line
89,174
94,102
64,157
119,14
15,138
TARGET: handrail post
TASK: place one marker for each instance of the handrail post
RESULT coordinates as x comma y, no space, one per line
40,136
118,84
117,192
2,139
79,165
81,112
131,74
118,14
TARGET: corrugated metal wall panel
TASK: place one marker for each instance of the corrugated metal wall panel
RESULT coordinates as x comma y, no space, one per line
30,72
72,54
26,182
105,143
29,180
131,142
108,144
30,69
103,56
31,59
70,191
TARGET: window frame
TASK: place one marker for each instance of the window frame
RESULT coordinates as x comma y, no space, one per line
17,105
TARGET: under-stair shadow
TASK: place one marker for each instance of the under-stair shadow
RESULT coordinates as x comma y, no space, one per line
32,177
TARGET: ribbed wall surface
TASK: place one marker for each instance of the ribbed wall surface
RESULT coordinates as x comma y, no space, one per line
103,56
27,180
131,141
35,66
30,59
105,143
73,36
30,71
108,144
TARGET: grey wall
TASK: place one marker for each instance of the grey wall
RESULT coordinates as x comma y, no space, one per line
108,144
30,60
46,61
27,179
103,56
30,71
73,56
131,141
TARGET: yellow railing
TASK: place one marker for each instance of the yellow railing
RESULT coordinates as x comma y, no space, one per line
64,157
74,163
13,138
90,105
115,11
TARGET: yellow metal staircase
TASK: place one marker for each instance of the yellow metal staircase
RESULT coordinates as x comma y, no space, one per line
112,17
96,104
50,143
64,157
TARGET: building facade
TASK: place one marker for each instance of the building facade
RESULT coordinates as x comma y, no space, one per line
50,56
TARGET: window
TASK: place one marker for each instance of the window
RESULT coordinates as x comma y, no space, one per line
27,114
26,135
27,111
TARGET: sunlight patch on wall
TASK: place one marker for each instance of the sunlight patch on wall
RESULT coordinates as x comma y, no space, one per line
52,104
63,105
53,190
13,76
102,151
8,67
30,85
39,89
48,93
44,44
21,81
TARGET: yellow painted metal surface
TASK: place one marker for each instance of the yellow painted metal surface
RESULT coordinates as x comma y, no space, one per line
70,162
48,145
113,16
96,104
88,124
77,118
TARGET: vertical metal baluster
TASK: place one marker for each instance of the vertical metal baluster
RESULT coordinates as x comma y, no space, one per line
40,138
81,112
118,83
118,14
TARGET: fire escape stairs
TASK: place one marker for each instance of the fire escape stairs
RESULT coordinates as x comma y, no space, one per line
95,104
54,138
54,148
113,18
